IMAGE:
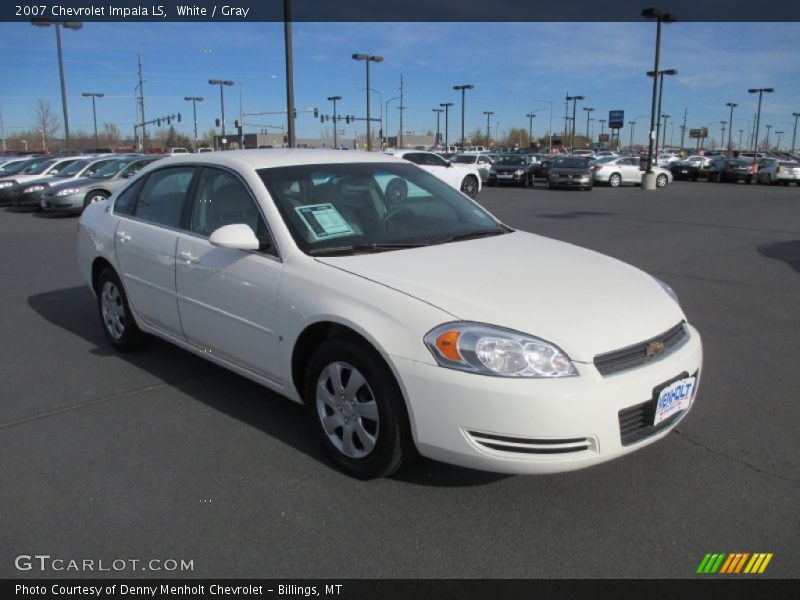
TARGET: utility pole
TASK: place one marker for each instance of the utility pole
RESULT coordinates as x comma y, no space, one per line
488,114
141,102
335,122
683,127
438,112
723,123
287,42
446,106
402,106
2,129
530,116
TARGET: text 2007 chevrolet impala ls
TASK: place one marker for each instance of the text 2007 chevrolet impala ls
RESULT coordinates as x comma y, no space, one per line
403,315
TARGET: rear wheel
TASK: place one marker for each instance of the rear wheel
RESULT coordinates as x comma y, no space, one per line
357,410
469,186
615,180
661,180
115,314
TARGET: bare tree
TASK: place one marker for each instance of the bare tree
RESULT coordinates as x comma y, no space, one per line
111,134
45,121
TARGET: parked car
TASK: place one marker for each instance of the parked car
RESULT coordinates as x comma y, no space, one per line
206,149
584,153
173,151
419,324
542,165
466,179
663,160
684,170
30,194
625,170
570,172
779,171
75,196
481,161
12,185
514,169
723,169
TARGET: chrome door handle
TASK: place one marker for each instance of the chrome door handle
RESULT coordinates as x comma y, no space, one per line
189,257
123,237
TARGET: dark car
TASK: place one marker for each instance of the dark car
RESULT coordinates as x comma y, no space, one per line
570,172
684,170
515,169
543,164
730,169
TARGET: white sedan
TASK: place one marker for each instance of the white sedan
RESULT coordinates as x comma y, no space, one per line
625,170
465,178
403,323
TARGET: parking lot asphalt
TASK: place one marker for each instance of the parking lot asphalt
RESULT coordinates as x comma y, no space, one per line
163,455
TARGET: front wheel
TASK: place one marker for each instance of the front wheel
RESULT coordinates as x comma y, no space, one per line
115,314
92,197
661,180
357,410
469,186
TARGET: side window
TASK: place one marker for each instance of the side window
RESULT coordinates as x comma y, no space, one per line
163,196
415,158
123,205
222,199
133,168
434,161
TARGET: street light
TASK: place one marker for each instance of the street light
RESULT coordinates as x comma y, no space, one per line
438,112
741,131
531,117
194,100
664,135
732,105
760,92
660,94
488,114
58,25
768,128
794,131
367,58
93,96
649,182
446,106
463,89
335,126
572,135
380,97
722,136
778,145
221,83
588,112
550,130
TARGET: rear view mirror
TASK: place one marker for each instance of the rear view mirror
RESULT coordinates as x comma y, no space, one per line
238,236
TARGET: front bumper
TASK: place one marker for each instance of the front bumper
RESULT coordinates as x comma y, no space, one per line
31,199
570,181
53,203
540,426
509,178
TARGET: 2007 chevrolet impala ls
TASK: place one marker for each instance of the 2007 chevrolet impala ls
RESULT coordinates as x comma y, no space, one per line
403,315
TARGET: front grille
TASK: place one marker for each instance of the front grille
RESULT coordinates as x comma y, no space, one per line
638,354
636,422
519,445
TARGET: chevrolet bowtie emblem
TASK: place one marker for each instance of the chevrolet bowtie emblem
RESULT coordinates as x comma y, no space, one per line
654,349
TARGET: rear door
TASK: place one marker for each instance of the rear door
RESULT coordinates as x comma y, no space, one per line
145,242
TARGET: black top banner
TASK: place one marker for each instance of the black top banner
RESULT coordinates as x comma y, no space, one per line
400,10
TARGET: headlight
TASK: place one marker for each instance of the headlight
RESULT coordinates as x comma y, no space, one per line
488,350
33,188
670,292
5,184
520,171
67,191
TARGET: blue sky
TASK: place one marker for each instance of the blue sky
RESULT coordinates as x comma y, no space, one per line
512,65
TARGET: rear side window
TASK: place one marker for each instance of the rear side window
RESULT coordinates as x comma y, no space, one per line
163,196
123,205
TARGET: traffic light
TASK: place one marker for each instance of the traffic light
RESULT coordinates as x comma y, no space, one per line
217,122
316,113
347,119
322,119
295,113
158,122
179,117
236,124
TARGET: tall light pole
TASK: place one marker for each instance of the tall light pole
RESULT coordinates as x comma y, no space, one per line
222,83
194,100
368,58
649,182
588,112
380,97
463,89
289,53
488,114
438,112
602,125
723,124
387,116
550,129
760,92
531,117
58,25
335,121
572,135
94,96
732,105
664,133
660,94
446,106
778,144
741,131
794,131
768,128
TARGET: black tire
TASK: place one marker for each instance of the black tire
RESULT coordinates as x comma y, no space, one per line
661,180
390,431
115,314
469,186
93,197
615,180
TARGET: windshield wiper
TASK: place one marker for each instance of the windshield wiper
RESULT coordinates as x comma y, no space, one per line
472,235
365,248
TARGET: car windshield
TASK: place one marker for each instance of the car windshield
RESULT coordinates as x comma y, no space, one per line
338,209
37,168
464,159
571,163
510,160
111,169
74,168
13,166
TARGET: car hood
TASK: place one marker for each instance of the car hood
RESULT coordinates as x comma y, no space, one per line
74,183
569,171
583,301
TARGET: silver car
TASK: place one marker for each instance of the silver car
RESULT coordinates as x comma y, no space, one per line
30,194
74,196
625,170
779,171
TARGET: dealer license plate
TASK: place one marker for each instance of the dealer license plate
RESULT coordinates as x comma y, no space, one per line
674,398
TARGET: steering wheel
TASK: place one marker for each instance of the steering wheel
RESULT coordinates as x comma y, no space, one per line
402,217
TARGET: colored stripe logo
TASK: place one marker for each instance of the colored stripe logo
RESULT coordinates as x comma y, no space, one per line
734,563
